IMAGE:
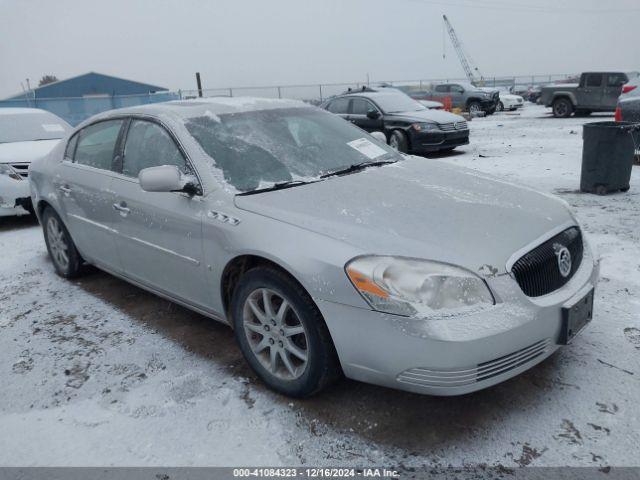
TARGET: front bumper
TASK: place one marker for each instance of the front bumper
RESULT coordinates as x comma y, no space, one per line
457,354
489,105
15,197
434,140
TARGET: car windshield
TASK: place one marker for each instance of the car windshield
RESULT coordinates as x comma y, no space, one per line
257,149
394,103
25,126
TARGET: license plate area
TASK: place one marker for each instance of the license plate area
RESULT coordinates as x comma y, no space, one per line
575,317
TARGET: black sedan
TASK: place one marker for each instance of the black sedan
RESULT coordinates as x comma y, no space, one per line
408,126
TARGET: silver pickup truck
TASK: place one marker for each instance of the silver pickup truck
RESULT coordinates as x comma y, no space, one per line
596,92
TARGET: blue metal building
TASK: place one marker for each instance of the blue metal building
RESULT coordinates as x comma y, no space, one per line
80,97
91,84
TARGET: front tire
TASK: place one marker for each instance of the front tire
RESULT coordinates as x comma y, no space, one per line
500,107
282,334
562,108
474,108
398,141
63,252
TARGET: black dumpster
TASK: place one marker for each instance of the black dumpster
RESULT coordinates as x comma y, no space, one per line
607,156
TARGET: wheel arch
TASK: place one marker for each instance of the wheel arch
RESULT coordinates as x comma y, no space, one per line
41,205
237,266
567,95
472,100
404,130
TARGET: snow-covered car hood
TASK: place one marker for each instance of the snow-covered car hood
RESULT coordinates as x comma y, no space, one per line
23,152
419,208
438,116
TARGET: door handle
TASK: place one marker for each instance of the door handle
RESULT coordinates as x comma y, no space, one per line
64,189
122,208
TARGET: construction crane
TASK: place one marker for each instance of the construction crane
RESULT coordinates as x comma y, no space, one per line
465,59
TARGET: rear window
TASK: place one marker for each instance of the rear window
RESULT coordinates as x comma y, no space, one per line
28,126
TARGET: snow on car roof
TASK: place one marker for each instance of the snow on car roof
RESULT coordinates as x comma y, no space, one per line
20,111
209,106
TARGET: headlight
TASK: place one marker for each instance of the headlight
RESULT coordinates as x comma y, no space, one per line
409,286
425,127
9,171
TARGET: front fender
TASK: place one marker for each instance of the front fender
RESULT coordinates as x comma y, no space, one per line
563,93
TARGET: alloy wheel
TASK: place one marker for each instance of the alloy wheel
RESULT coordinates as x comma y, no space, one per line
474,108
57,243
393,143
275,334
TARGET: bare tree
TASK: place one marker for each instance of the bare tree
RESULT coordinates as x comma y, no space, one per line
47,79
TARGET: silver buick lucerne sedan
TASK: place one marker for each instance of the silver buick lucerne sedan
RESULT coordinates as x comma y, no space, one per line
327,251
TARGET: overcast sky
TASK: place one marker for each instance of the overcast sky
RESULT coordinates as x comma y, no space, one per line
270,42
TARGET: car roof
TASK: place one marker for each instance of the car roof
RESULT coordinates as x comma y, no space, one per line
373,95
21,111
182,109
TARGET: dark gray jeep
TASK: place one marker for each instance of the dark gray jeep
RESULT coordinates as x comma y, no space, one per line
596,92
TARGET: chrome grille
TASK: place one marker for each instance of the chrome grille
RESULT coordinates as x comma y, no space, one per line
483,371
537,272
452,126
21,168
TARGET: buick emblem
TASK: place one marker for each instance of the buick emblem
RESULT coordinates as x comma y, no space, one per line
564,260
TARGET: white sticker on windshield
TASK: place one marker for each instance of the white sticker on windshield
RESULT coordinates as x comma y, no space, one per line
52,127
367,148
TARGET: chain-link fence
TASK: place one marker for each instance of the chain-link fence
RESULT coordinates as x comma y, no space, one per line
316,93
75,110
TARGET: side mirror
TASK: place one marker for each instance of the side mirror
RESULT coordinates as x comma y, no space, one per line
373,114
381,137
165,178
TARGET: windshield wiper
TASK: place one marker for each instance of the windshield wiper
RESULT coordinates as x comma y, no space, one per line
356,167
278,186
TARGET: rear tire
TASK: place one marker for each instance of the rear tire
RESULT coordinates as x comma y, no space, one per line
500,107
62,251
295,364
562,108
398,141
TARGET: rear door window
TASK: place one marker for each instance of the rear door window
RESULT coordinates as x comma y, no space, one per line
97,144
360,106
150,145
339,106
593,80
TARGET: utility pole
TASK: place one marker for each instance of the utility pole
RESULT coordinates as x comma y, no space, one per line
199,83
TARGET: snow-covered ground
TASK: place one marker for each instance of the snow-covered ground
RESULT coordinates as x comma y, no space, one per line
98,372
